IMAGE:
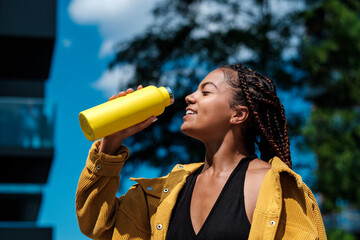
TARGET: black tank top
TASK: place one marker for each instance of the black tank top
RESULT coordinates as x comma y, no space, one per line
227,218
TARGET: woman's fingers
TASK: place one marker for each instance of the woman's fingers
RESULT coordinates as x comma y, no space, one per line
129,90
121,94
127,132
124,93
111,144
112,97
140,126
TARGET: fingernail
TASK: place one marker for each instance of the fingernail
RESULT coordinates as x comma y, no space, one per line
155,120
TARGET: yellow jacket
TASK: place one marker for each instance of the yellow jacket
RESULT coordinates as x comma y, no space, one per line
285,209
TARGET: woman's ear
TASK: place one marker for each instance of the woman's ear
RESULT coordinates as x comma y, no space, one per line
240,115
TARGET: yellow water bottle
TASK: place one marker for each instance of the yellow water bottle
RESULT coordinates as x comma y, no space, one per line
123,112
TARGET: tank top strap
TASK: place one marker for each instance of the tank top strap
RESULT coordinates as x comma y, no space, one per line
244,161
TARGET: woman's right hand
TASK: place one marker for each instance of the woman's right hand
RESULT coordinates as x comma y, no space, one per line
112,143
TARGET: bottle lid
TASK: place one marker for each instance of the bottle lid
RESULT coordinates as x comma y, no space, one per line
171,95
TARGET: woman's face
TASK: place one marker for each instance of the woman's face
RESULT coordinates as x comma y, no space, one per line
208,112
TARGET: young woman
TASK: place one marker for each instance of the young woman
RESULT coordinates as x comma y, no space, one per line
232,195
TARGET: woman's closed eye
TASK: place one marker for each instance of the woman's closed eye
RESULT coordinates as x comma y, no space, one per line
205,93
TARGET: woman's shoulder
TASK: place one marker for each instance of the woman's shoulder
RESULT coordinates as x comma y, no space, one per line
274,174
258,167
275,164
256,172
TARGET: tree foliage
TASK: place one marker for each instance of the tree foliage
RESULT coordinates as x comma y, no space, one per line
340,234
187,40
331,53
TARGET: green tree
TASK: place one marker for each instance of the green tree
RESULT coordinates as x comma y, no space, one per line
186,41
330,59
340,234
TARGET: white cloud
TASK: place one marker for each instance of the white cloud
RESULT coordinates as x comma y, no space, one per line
107,47
94,11
117,20
114,80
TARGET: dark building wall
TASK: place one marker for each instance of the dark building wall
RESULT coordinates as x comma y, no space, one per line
27,38
31,233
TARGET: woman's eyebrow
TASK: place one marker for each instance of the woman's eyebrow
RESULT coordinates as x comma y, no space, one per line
206,83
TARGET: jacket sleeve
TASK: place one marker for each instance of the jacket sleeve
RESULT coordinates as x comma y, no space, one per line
96,201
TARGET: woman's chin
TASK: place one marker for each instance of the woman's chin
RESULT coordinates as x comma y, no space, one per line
186,130
190,132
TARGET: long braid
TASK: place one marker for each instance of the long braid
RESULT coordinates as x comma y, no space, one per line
267,114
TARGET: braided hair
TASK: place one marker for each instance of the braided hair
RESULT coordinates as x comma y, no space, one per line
266,114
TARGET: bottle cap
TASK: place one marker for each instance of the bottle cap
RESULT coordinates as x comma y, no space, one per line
170,94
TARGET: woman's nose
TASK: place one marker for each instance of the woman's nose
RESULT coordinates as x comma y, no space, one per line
189,99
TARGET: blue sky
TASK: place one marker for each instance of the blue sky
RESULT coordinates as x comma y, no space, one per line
81,56
79,79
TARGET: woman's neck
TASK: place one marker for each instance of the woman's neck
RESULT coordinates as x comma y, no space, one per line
225,154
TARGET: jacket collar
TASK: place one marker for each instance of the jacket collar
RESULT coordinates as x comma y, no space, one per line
155,186
279,166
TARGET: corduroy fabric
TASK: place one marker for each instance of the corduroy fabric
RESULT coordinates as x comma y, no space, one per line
285,209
